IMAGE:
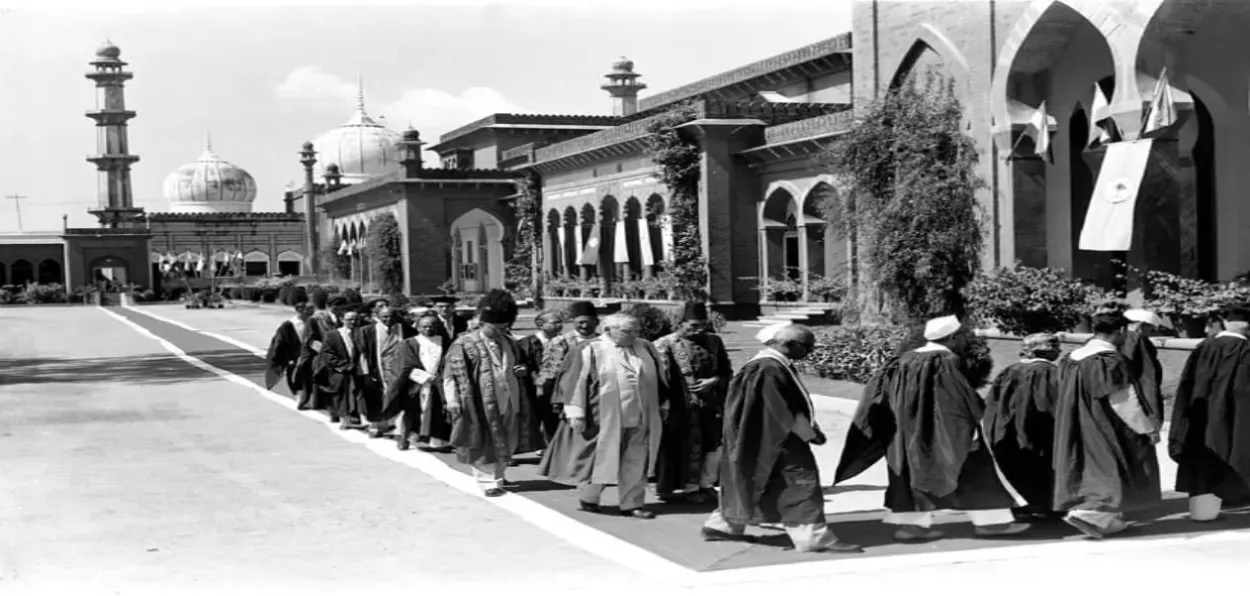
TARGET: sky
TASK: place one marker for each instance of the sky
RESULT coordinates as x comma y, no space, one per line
263,77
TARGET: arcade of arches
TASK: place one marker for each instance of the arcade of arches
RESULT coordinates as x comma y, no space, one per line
22,271
633,239
1190,210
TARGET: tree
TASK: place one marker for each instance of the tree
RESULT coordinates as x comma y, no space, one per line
385,250
914,208
333,264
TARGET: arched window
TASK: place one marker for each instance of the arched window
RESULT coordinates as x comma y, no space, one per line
23,272
289,263
255,264
50,272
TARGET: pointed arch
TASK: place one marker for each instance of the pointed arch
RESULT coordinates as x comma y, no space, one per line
22,272
478,238
50,272
929,38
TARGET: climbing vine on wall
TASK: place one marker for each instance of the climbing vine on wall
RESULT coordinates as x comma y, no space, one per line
527,251
384,247
678,158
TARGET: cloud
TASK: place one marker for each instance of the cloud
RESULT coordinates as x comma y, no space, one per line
431,111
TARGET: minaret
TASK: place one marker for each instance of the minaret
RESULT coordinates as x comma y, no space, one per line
623,86
308,158
113,159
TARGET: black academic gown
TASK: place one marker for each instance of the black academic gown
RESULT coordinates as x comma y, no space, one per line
768,474
1210,434
1020,428
334,373
320,325
924,417
1147,373
370,388
455,326
287,360
1100,463
531,352
403,397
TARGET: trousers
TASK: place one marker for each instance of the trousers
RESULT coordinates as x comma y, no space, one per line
631,471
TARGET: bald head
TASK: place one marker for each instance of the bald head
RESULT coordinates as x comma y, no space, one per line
794,341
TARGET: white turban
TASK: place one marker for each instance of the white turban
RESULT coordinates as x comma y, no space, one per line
1138,315
770,332
941,327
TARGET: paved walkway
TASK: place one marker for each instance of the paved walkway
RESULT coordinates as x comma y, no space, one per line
129,466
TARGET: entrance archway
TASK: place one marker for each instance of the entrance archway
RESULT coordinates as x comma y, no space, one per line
110,270
477,241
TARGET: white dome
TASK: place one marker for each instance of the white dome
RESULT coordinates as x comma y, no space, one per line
362,148
210,185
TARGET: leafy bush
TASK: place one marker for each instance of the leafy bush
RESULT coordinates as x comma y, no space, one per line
853,352
1023,300
1178,296
679,159
269,295
7,296
42,294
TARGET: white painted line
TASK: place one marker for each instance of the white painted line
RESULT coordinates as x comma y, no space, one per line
561,526
127,306
612,548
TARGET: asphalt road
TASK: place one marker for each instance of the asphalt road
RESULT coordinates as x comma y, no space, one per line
127,470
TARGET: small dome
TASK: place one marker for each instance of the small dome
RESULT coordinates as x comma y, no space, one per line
623,65
210,185
108,51
412,134
362,148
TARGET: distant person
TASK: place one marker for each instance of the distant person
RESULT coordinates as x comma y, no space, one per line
924,416
453,323
415,393
532,347
336,368
585,322
1143,361
1209,438
379,343
1105,462
288,358
1020,423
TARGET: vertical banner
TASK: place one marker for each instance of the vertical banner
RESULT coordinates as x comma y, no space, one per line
578,246
590,256
557,253
666,237
644,242
1109,220
620,244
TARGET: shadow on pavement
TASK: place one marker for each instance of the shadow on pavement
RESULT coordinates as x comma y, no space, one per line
145,370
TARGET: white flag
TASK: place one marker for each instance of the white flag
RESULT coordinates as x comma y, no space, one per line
1109,220
590,256
1039,129
620,243
1101,124
644,242
343,248
1162,112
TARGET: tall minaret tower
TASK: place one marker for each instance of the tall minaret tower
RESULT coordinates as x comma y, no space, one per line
113,159
623,86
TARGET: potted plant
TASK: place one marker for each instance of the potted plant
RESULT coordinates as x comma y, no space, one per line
822,288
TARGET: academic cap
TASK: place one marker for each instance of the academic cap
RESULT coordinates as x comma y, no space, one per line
582,309
443,300
1138,315
941,327
694,311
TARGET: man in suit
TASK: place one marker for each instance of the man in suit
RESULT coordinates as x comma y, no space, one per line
379,343
549,327
415,392
335,371
453,323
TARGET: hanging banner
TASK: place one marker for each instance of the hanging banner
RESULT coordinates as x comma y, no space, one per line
620,244
590,256
1109,220
644,242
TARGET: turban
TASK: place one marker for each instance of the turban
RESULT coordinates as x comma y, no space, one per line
1138,315
770,332
941,328
497,308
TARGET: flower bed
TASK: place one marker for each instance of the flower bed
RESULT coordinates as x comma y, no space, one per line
856,352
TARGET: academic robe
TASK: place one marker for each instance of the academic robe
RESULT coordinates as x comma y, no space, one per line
287,359
924,416
1146,372
768,473
1020,427
480,433
555,364
593,456
380,366
698,427
1210,434
421,406
334,372
531,351
1100,463
319,325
